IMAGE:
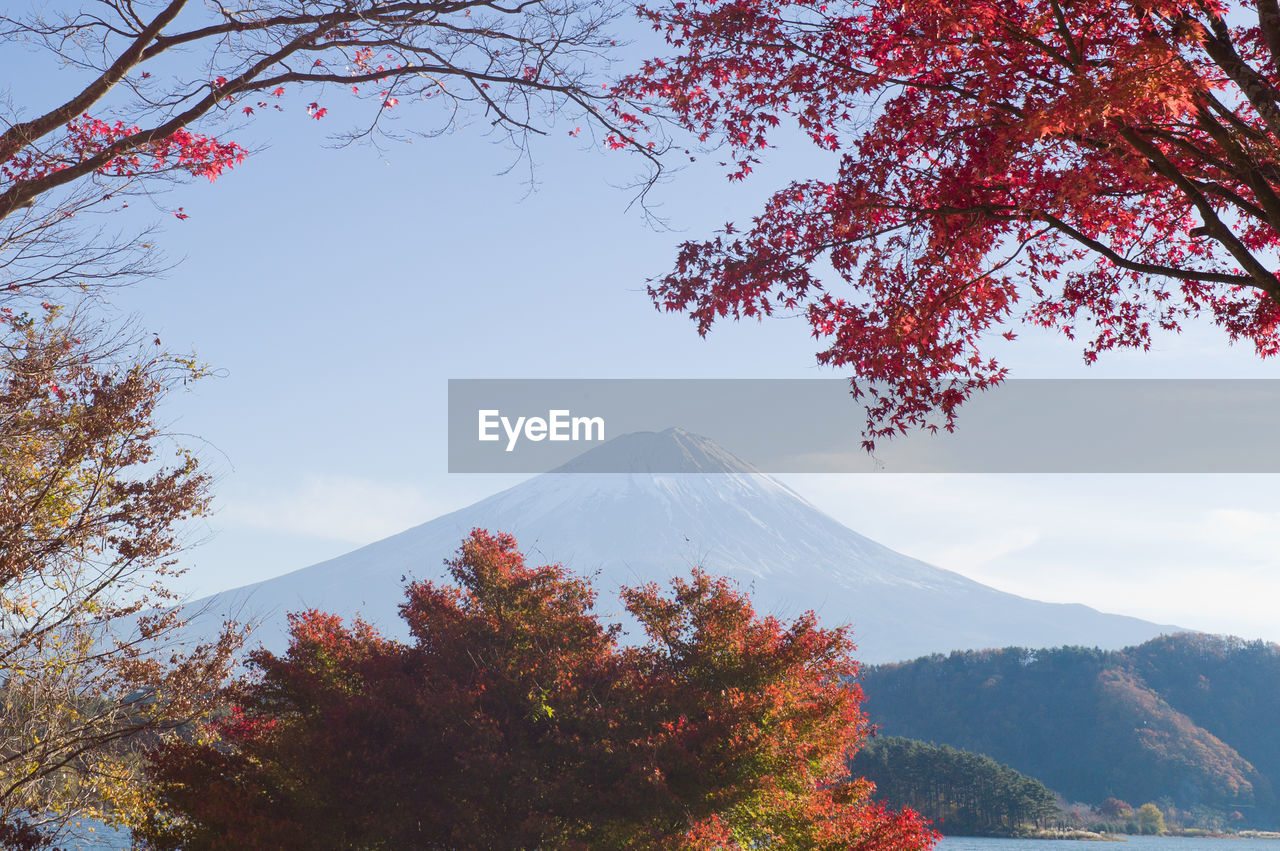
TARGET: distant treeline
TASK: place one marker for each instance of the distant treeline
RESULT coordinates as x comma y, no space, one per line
962,793
1192,720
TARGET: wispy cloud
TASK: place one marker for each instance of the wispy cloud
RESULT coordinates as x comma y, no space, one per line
969,556
1247,527
1198,551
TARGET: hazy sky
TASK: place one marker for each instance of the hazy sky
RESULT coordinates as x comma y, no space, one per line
338,290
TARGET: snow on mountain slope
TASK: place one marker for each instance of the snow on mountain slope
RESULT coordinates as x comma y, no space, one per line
718,512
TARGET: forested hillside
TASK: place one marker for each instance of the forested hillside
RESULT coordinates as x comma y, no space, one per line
962,793
1191,719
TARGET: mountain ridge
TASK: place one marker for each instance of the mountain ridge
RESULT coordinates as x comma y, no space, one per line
635,527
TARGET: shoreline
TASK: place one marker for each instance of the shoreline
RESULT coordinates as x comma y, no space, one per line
1091,836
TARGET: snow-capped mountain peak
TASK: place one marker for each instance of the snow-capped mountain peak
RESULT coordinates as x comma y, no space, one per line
720,513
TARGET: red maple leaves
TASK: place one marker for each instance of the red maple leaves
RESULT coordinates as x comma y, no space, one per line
1103,168
86,137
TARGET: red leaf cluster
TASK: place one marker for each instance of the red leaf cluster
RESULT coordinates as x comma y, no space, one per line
1105,168
87,137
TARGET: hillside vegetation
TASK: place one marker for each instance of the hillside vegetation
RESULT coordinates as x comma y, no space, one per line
962,793
1188,719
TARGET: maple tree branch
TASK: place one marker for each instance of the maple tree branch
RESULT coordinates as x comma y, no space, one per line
396,13
1258,274
1188,143
27,132
1243,127
1216,41
1269,23
1239,202
480,53
1138,266
1009,213
904,82
1071,62
1246,169
1065,33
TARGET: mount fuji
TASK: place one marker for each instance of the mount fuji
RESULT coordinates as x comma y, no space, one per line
717,511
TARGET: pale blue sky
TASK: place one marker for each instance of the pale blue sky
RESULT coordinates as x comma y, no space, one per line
338,291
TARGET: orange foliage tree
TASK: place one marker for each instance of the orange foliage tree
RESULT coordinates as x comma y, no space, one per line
515,719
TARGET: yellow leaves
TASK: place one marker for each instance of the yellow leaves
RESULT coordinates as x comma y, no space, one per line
20,607
125,799
86,513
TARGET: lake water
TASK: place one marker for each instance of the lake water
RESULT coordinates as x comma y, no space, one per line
1131,843
102,838
108,840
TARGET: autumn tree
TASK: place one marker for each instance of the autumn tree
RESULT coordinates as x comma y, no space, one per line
1114,809
93,500
143,94
515,719
1105,168
1150,819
